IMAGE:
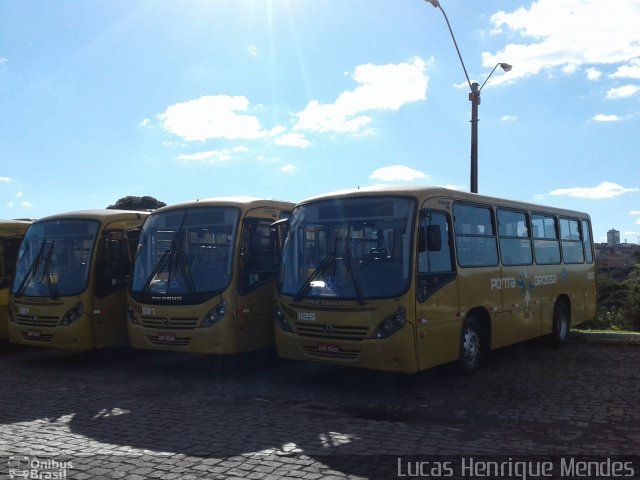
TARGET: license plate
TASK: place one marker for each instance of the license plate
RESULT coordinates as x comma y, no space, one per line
166,337
328,349
33,334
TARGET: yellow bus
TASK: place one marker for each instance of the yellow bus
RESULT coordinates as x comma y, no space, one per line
11,233
204,276
70,287
403,279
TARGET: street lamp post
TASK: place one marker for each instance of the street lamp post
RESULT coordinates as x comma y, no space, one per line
474,98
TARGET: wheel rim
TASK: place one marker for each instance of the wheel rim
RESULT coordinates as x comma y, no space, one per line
471,347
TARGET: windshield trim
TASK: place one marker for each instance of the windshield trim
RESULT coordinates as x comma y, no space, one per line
43,263
175,258
359,295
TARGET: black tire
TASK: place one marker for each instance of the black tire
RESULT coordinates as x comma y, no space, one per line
561,324
471,347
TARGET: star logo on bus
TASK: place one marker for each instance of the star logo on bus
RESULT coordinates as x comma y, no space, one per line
527,286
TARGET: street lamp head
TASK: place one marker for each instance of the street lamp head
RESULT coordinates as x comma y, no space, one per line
435,3
505,66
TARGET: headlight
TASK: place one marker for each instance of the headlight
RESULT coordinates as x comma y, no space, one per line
282,320
131,314
72,315
215,314
391,324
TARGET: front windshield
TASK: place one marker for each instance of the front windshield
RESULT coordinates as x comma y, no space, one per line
55,258
185,254
350,248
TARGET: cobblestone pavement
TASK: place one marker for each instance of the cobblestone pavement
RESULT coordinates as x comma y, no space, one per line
141,415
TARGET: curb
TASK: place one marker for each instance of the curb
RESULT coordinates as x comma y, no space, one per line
607,338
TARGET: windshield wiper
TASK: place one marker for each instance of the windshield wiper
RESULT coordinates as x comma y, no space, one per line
53,286
355,275
168,256
322,266
35,265
186,271
156,269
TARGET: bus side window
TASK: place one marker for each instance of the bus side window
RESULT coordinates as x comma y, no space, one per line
545,239
476,244
572,246
259,255
113,265
586,238
430,258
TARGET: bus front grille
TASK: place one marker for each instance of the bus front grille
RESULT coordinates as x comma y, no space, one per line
31,321
345,354
331,331
41,337
170,323
169,341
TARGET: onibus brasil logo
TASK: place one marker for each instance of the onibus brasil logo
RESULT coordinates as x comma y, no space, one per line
38,468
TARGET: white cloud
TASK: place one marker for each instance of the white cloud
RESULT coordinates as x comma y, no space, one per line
604,190
293,140
631,70
212,156
19,195
634,212
623,92
381,87
3,60
394,173
606,118
213,116
27,204
593,74
509,118
253,50
567,33
145,123
289,168
6,180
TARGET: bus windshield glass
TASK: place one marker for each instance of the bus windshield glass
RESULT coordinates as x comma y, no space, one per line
349,248
186,253
55,258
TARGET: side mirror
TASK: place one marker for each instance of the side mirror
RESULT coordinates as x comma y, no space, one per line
434,238
114,250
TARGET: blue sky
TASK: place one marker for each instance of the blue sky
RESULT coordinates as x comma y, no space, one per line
291,98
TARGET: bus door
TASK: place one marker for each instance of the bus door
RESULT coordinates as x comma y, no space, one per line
257,266
520,310
113,269
437,320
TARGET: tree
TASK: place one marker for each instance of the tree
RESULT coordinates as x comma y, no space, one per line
137,203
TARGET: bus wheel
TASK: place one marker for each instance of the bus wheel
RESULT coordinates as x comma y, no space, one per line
470,346
561,324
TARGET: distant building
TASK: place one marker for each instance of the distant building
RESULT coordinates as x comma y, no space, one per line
613,237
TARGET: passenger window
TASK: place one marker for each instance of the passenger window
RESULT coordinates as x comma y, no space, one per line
545,239
258,255
435,265
475,236
435,261
586,239
572,247
515,241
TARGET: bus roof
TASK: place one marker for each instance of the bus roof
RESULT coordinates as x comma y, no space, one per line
10,228
104,214
425,192
243,202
